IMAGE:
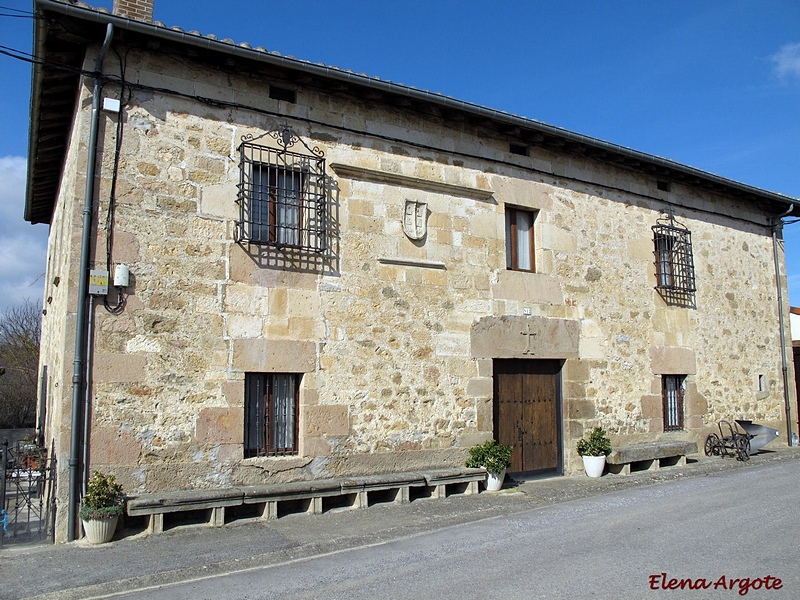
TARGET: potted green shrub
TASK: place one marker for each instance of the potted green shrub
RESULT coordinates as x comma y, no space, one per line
493,457
594,450
101,508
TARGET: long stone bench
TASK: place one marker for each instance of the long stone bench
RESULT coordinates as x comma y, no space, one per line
216,507
649,456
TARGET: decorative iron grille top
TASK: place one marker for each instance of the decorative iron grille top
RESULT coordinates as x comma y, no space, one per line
285,137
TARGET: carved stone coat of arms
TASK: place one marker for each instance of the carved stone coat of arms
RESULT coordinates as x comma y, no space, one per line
415,219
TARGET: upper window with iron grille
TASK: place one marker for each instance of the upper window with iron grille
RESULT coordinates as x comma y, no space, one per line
282,200
673,256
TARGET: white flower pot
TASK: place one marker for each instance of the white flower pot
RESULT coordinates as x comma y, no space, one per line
100,531
594,465
494,481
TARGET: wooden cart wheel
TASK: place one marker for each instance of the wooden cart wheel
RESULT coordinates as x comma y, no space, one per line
712,445
742,448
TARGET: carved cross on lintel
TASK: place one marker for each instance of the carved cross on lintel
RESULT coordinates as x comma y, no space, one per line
529,337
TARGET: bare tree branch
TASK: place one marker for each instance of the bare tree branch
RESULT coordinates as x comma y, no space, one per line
20,332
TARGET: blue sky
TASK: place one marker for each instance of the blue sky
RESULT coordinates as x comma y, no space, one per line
713,84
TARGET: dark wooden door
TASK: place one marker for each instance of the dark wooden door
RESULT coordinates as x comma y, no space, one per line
527,412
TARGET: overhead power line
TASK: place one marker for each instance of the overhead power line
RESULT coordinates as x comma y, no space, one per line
20,14
17,10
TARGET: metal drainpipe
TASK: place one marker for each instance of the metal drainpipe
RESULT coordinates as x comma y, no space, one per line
781,322
87,430
83,289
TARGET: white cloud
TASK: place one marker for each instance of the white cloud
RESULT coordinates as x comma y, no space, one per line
787,60
23,247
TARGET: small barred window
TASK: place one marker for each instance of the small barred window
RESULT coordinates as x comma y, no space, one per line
271,405
673,390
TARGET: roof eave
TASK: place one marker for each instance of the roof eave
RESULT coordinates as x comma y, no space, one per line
248,53
37,77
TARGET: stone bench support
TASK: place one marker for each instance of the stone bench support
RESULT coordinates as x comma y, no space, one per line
270,501
649,456
212,502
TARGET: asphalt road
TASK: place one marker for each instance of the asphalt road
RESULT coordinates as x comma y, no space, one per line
733,534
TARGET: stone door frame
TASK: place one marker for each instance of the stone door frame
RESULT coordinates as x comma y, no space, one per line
526,338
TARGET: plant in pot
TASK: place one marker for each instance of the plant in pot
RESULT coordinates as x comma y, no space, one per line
493,457
29,454
594,450
101,508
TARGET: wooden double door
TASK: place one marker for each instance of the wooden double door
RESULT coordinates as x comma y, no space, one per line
527,413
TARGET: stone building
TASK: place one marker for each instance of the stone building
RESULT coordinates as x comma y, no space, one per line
314,273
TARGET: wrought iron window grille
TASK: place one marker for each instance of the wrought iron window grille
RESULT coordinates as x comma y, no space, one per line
674,259
282,192
673,390
271,414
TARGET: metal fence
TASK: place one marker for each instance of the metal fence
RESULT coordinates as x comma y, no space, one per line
27,512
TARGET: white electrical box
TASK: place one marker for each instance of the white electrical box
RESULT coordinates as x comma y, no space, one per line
111,105
121,276
98,283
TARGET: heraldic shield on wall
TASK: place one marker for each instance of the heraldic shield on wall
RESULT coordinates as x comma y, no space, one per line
415,219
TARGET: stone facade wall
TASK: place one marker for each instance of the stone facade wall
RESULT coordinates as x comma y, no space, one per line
57,344
394,337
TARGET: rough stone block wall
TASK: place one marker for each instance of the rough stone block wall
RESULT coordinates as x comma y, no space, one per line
389,333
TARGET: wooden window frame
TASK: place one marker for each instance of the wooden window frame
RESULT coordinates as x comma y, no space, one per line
274,197
665,260
513,239
260,438
673,409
